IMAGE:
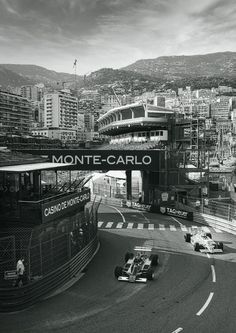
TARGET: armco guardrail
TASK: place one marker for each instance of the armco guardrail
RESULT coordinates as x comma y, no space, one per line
216,222
14,299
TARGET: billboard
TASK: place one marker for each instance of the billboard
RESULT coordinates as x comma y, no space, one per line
56,208
104,159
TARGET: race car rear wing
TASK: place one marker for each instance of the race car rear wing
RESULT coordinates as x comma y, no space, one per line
137,279
142,249
213,251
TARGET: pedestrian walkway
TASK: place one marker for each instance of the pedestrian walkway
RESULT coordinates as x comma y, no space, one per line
151,226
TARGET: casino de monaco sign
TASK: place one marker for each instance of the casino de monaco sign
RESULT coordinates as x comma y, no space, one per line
107,159
56,208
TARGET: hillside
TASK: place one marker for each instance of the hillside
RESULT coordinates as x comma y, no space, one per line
176,67
36,74
10,78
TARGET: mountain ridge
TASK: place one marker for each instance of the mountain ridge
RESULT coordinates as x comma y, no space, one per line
160,70
180,66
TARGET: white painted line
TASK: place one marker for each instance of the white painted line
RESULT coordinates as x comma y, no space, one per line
184,228
172,228
150,226
123,218
176,221
119,225
140,226
130,225
145,217
109,225
161,227
213,273
218,230
208,255
100,223
178,330
205,305
206,229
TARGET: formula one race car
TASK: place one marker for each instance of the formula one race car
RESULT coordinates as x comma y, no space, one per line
139,266
203,242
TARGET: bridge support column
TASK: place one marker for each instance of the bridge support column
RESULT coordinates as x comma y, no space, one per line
145,186
128,184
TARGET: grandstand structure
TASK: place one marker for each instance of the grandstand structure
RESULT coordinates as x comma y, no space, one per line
179,142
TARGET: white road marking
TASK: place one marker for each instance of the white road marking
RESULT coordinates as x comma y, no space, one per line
178,330
119,225
172,228
130,225
109,225
213,273
184,228
176,221
218,230
100,223
145,217
150,226
123,218
206,229
205,305
140,226
192,227
161,227
208,255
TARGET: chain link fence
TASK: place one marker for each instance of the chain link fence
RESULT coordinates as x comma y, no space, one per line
46,247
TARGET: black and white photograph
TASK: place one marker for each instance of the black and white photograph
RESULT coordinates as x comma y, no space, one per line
117,166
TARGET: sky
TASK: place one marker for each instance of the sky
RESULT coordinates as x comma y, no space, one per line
112,33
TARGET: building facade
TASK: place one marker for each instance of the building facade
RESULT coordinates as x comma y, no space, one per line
61,110
15,114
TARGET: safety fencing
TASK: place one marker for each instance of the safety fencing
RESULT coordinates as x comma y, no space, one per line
14,299
215,213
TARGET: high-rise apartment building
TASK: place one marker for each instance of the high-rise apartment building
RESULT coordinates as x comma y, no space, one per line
34,93
61,110
15,114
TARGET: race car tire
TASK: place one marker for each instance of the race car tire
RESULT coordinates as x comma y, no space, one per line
209,235
150,274
187,238
196,247
221,246
154,259
128,256
118,271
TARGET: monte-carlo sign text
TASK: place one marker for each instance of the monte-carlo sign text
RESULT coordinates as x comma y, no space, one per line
104,159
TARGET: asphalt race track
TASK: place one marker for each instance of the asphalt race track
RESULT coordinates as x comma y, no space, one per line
192,292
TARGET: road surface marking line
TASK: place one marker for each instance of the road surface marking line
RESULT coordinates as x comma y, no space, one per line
206,229
140,226
123,218
145,217
217,230
184,228
150,226
172,228
177,221
109,225
178,330
119,225
205,305
100,223
130,225
208,255
161,227
213,273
